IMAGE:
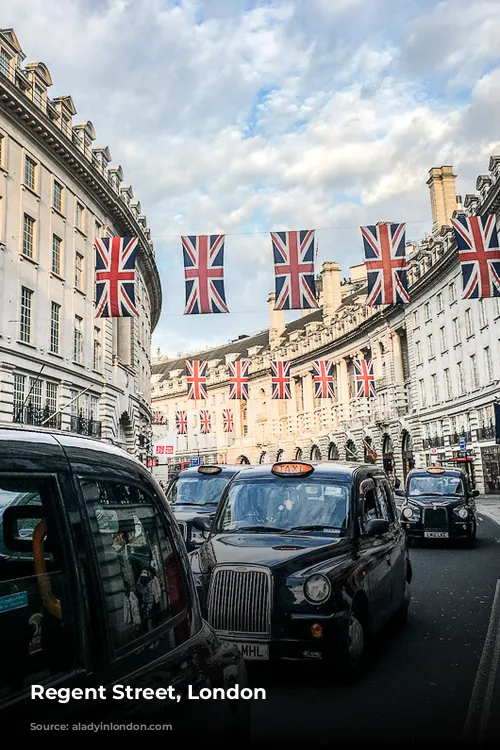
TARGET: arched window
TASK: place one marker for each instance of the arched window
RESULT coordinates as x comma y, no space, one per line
351,452
407,454
315,453
242,460
370,454
298,454
263,458
333,452
279,455
388,454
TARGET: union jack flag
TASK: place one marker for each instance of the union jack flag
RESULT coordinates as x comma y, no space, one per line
323,379
238,379
479,252
181,422
294,270
228,421
205,422
196,377
115,277
365,380
281,380
158,417
204,274
385,259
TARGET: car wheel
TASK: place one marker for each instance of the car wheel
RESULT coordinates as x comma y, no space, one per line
471,537
352,649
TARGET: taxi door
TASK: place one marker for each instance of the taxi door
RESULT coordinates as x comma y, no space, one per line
396,539
376,554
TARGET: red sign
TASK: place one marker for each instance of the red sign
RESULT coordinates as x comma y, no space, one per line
152,462
166,450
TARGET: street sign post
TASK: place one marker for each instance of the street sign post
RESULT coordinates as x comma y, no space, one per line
194,461
462,444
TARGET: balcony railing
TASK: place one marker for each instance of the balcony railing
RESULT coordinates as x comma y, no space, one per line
35,415
486,433
83,426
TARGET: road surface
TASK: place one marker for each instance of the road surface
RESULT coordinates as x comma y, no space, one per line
435,678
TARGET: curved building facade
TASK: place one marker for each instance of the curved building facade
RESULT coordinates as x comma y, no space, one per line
436,366
60,366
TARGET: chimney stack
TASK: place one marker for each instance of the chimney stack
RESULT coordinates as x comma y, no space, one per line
276,322
331,294
441,184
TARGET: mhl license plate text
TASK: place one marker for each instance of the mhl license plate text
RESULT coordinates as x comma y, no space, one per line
254,651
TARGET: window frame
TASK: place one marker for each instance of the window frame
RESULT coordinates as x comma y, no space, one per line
190,612
34,172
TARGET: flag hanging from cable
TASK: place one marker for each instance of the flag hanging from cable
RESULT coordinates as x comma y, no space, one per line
294,270
181,422
479,253
204,274
227,420
281,388
369,449
238,379
205,422
196,377
365,379
115,277
323,379
385,259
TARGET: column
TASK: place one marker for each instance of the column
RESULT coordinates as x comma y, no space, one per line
6,392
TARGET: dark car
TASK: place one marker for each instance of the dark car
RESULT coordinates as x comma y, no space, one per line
196,492
439,504
304,562
96,592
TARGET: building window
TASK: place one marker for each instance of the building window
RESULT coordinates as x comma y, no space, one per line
415,319
423,398
55,327
66,124
468,322
461,377
488,364
474,371
80,217
435,389
418,352
94,407
57,196
440,305
447,384
51,397
482,314
79,271
2,149
5,60
427,311
98,229
442,338
26,313
30,172
430,346
56,254
19,391
97,349
456,332
78,340
28,236
452,292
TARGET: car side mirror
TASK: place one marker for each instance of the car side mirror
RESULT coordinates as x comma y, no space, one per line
377,526
400,493
475,493
202,523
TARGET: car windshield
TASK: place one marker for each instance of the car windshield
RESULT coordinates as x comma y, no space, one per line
286,505
435,486
197,490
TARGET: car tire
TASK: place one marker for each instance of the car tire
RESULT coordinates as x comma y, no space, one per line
471,538
352,648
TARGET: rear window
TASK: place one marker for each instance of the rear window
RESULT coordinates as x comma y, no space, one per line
286,504
197,490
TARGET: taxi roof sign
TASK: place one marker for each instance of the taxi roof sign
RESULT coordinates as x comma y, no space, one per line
209,469
292,468
436,470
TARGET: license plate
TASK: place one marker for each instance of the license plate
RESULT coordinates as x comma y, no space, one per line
436,534
254,651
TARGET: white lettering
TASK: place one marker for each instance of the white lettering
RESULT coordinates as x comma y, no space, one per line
233,693
130,693
64,695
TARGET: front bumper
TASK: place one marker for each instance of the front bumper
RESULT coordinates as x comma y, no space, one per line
459,529
295,641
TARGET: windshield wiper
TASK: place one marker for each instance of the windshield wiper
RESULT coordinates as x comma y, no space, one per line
260,528
315,527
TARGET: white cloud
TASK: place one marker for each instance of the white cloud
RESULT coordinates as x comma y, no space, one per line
249,116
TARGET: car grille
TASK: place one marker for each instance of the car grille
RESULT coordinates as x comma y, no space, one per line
239,600
435,518
183,528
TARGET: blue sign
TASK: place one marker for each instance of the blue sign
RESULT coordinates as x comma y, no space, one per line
13,601
195,461
462,443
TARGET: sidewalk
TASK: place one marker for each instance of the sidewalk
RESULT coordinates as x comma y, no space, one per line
489,505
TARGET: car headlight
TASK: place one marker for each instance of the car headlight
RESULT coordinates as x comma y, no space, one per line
317,588
462,512
407,512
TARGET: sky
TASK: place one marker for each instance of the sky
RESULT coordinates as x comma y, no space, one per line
242,117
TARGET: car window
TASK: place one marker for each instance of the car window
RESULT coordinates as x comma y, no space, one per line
384,500
38,629
444,485
196,490
286,504
141,572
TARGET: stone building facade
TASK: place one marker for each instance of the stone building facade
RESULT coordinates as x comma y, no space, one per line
436,364
61,367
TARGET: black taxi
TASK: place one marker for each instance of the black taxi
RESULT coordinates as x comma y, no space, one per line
304,561
196,492
439,504
99,617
